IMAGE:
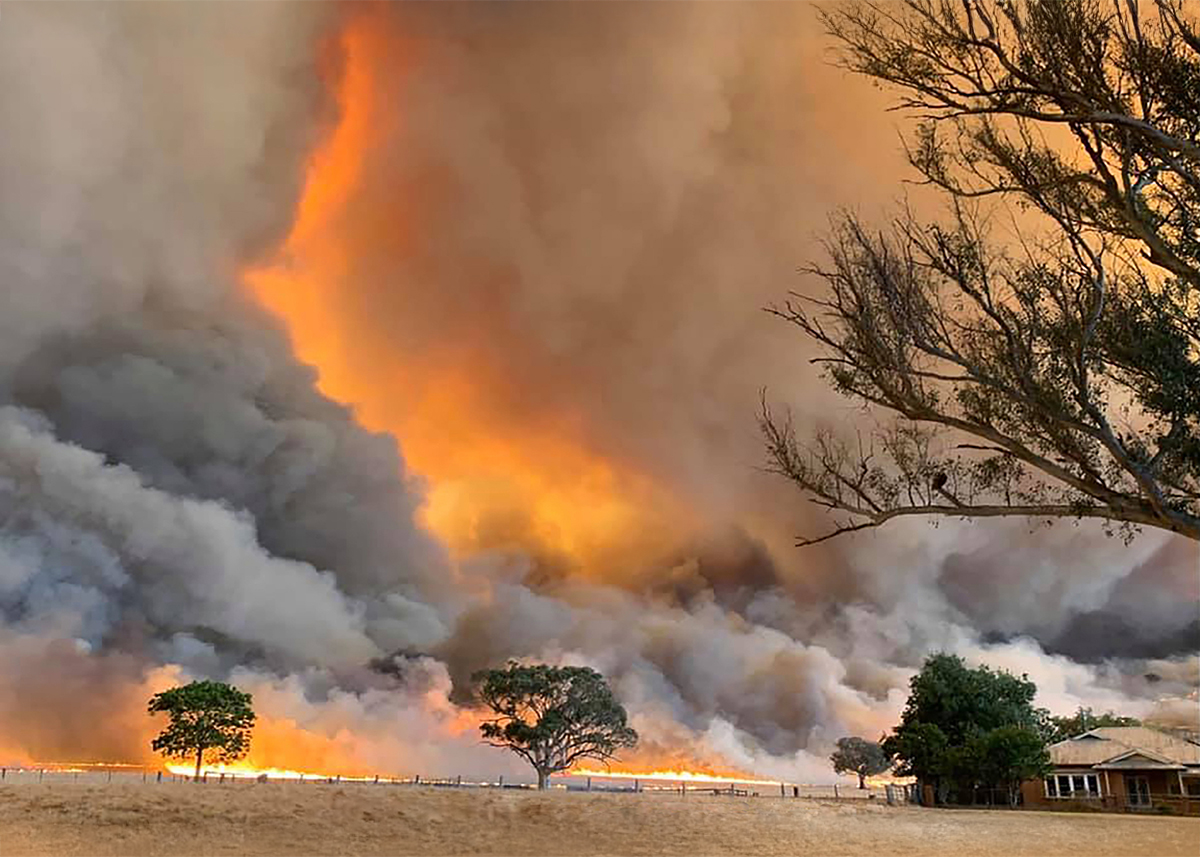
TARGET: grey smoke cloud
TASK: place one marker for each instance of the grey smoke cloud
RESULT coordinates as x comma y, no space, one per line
97,536
597,200
139,160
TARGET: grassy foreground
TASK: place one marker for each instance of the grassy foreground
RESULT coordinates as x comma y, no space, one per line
287,819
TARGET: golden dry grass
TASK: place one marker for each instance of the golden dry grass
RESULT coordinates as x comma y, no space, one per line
287,819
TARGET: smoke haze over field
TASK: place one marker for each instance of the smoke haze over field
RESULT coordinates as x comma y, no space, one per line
477,380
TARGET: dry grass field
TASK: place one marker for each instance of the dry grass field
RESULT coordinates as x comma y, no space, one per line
287,819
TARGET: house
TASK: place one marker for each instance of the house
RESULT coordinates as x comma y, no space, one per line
1118,769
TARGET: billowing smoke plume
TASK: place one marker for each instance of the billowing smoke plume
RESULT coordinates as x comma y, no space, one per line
172,488
544,282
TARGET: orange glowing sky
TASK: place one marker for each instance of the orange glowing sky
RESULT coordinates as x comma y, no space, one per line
499,478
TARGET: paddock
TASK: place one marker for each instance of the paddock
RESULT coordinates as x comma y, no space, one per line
128,817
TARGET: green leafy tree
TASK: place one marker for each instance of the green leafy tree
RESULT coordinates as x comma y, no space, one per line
957,726
552,716
859,756
1008,755
208,720
1054,373
921,750
1083,720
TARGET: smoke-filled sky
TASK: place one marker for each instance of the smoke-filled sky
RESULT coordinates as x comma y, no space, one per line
347,350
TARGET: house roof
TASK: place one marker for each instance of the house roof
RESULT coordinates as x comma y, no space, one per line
1120,745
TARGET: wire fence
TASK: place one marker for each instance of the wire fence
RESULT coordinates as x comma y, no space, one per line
103,775
891,794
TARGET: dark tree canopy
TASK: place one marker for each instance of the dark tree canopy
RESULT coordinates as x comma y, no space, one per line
1006,756
552,717
859,756
1083,720
966,729
208,720
1038,350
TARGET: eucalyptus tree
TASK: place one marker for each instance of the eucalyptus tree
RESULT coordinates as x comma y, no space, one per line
552,717
859,756
1036,352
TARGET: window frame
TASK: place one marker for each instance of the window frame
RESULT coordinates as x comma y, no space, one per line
1091,785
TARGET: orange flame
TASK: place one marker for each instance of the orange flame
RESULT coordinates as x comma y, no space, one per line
679,776
239,770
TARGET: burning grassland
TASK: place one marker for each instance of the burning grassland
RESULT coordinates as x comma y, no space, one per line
252,819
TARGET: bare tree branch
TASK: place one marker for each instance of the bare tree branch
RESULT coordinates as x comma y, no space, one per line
1061,383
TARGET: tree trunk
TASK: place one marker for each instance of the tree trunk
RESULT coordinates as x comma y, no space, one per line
862,781
199,758
541,779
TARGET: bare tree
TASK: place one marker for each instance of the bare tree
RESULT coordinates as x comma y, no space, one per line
1053,372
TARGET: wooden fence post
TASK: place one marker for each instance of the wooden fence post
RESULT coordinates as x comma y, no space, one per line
502,781
835,791
589,785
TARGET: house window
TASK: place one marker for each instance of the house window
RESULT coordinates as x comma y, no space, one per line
1193,788
1073,786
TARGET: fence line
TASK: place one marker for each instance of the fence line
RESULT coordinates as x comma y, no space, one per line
891,794
650,787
